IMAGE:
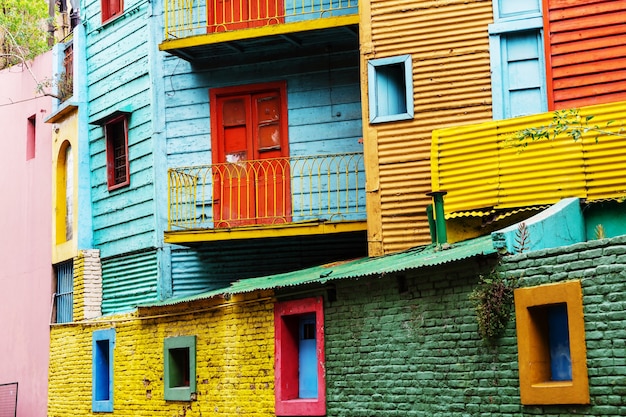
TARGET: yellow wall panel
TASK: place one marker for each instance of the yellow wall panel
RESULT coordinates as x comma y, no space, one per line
479,168
234,362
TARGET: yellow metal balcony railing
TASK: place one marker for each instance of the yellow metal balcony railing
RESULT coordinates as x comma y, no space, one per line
268,191
482,171
185,18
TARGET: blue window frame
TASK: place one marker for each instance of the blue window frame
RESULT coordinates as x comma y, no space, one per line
518,74
103,343
390,89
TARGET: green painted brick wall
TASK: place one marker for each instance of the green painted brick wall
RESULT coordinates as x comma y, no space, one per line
418,352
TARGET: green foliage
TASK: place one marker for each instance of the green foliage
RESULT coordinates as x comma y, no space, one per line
23,35
564,122
493,303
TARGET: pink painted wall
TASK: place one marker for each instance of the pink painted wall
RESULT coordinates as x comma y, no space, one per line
25,225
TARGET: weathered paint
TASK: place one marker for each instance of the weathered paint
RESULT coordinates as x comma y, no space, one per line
234,360
480,168
451,77
64,140
586,51
117,63
129,280
25,220
560,225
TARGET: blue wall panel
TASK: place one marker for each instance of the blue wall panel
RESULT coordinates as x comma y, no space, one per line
213,266
118,77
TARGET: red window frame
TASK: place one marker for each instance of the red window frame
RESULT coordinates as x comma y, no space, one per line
118,164
111,9
286,358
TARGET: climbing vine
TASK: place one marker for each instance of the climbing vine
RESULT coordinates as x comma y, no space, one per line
567,122
493,303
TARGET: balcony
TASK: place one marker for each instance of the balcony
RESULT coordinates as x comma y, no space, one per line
210,31
485,175
246,199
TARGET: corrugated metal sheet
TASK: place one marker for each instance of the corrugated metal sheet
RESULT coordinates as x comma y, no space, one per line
451,77
416,258
128,281
587,50
216,266
480,169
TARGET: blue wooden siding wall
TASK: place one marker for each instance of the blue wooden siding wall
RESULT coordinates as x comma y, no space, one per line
121,59
323,97
324,114
117,62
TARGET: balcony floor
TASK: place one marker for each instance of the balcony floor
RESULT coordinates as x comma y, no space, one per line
267,43
194,236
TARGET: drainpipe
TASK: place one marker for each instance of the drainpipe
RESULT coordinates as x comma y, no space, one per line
440,220
432,227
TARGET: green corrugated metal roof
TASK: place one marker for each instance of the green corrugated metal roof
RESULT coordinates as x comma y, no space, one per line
411,259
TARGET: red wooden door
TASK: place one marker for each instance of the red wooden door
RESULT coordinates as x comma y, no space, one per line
251,170
225,15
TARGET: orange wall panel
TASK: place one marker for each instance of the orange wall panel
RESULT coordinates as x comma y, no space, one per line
586,51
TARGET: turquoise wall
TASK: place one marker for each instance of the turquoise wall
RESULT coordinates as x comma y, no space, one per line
118,58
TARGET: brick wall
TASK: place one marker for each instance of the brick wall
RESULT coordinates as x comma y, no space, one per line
235,360
395,346
418,353
87,285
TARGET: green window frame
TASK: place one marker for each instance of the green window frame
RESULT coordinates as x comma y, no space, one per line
179,360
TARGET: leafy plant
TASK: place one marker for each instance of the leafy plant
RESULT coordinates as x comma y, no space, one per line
22,30
62,83
493,303
522,238
564,122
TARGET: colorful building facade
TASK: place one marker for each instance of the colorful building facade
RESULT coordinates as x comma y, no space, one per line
232,147
26,276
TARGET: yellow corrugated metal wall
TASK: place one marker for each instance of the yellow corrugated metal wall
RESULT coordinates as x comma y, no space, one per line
480,169
449,44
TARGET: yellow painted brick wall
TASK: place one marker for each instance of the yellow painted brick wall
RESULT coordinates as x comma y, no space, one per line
79,288
234,361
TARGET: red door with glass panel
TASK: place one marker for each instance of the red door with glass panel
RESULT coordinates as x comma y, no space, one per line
251,172
223,15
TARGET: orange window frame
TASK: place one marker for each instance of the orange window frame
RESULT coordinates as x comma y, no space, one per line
536,388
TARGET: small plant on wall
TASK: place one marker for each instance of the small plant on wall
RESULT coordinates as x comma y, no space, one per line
493,303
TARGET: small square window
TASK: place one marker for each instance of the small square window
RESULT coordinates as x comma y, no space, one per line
111,9
103,343
300,386
551,344
118,167
179,355
390,89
